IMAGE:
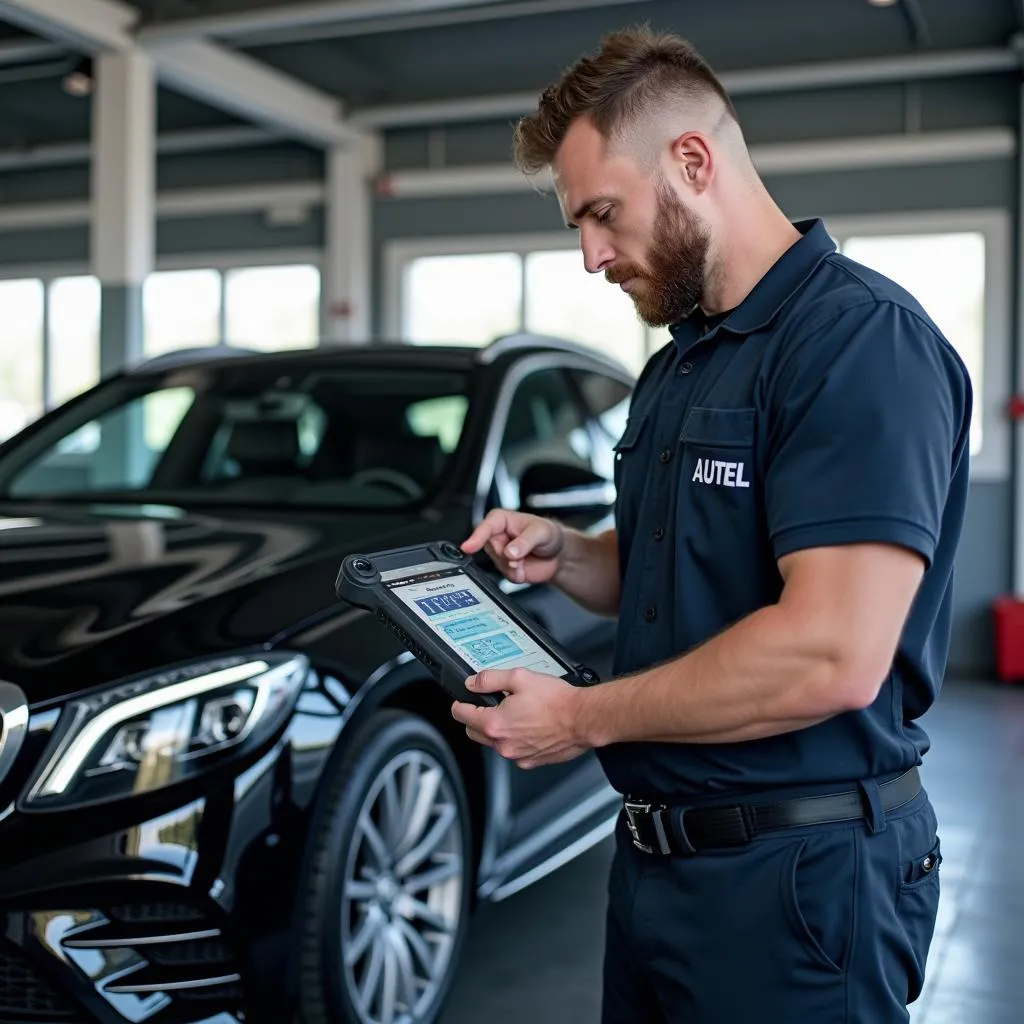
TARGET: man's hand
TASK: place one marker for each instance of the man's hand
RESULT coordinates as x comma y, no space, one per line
534,725
525,548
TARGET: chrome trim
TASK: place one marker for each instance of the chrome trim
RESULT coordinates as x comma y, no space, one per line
141,940
120,988
596,494
536,841
13,724
553,863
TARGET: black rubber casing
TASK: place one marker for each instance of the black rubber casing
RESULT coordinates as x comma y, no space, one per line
359,582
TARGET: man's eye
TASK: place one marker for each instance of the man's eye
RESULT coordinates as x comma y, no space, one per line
605,215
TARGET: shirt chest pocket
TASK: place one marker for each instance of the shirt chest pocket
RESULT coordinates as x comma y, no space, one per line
718,467
629,475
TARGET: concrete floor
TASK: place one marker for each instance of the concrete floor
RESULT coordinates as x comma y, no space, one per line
536,958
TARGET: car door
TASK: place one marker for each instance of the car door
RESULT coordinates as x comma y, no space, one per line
541,417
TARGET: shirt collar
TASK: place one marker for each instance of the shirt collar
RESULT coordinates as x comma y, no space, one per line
772,292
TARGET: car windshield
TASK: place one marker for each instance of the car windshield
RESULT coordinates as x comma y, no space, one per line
353,437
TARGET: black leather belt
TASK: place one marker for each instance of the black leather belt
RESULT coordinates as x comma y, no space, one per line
659,829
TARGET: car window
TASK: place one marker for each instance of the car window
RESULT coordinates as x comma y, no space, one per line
545,424
359,437
114,452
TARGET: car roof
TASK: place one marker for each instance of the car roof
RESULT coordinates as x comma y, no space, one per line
382,353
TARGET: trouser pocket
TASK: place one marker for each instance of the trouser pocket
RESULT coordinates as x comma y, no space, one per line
917,906
818,887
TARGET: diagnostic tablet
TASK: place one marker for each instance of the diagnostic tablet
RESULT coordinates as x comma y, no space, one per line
451,616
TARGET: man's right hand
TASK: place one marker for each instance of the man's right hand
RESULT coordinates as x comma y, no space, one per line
525,548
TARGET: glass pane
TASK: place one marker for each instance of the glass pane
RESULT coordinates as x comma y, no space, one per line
564,300
74,336
462,300
439,417
116,451
361,438
21,354
181,309
270,308
946,274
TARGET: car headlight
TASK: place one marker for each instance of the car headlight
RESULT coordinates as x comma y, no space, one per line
164,728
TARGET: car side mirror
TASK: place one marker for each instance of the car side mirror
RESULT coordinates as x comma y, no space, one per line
561,489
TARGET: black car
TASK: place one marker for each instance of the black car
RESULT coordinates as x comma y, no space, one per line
224,794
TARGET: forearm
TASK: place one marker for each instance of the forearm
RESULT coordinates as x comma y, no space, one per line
768,674
589,570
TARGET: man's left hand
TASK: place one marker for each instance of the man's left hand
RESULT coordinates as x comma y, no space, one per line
534,725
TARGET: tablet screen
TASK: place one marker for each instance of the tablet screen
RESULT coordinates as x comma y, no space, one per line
468,619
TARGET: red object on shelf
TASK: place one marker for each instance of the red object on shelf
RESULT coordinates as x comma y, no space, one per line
1008,613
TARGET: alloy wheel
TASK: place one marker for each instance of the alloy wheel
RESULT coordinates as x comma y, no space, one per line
402,895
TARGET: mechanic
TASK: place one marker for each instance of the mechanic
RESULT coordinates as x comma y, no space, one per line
791,487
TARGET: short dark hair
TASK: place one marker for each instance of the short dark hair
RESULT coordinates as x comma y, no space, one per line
633,69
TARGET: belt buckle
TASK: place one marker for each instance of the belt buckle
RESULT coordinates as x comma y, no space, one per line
636,807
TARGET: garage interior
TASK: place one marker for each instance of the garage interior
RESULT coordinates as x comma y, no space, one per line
276,175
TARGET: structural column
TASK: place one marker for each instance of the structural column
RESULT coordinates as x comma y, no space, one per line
123,199
346,292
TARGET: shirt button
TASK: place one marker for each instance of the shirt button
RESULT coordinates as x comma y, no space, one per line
651,614
686,368
666,454
659,533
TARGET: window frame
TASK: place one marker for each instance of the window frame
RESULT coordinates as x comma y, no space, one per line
992,463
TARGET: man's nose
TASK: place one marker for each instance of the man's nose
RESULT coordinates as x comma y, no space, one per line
598,255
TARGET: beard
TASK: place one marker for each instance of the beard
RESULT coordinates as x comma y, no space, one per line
675,275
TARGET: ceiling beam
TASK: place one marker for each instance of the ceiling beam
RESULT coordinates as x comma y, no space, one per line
250,89
25,51
309,15
89,26
344,18
754,82
201,140
203,70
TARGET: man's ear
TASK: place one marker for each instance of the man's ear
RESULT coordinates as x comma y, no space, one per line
693,161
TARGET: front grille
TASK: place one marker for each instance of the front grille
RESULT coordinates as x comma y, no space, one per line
170,948
25,996
192,952
150,913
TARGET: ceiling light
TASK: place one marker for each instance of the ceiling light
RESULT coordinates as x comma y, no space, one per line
883,3
79,81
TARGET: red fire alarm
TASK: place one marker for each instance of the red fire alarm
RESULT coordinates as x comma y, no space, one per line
1017,407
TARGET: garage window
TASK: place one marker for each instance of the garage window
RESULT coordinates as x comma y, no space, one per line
440,295
463,299
270,308
21,354
946,274
957,265
181,309
73,308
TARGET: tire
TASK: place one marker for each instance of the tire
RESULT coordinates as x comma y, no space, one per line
372,943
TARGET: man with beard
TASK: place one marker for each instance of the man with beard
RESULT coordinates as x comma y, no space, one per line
791,488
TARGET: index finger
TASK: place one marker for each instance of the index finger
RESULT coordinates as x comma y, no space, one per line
494,522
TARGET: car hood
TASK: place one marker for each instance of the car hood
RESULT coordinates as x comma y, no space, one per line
90,594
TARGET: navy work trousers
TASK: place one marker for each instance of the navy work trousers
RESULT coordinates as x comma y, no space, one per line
828,924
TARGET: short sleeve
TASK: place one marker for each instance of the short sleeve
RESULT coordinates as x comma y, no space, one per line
868,418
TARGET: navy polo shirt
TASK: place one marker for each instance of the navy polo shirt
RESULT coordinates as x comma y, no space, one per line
827,408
